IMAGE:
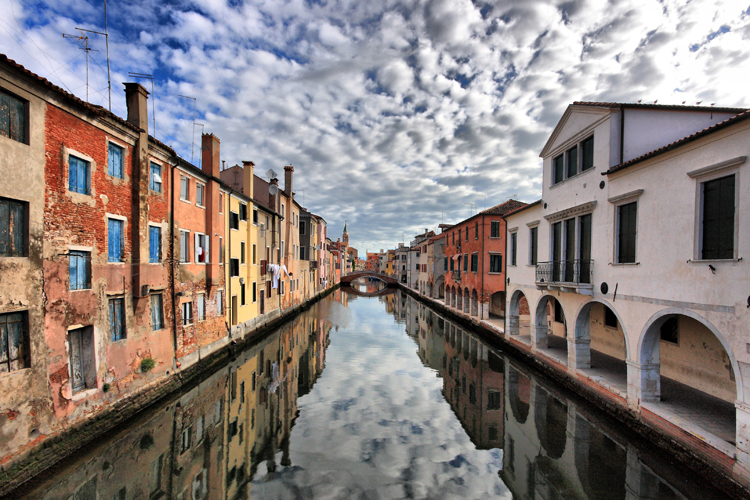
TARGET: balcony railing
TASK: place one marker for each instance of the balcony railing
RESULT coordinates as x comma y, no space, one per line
565,271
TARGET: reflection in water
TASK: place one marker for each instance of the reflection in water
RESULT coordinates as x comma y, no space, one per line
339,403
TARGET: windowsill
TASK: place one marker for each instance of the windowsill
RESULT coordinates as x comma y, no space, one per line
624,264
199,263
713,261
200,206
116,263
153,191
187,324
498,274
19,371
579,174
233,229
185,200
81,290
83,394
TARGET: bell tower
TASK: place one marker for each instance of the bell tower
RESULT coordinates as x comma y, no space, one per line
345,236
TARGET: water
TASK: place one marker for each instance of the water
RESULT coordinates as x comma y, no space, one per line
368,398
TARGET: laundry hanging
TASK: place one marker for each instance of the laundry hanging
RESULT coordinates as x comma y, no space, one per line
276,270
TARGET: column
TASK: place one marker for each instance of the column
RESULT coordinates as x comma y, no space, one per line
538,335
579,353
644,382
743,439
513,325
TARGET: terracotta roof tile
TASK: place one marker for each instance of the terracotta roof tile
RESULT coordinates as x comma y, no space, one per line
504,208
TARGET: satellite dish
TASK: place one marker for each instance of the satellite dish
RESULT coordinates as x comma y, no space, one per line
270,173
273,189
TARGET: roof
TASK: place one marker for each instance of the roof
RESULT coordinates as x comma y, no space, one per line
503,208
521,209
685,140
667,107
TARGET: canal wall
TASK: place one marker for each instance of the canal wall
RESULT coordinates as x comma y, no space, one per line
699,456
50,450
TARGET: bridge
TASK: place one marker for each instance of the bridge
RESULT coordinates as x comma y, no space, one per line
346,280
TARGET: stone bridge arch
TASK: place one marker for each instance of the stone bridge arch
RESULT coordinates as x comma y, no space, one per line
347,280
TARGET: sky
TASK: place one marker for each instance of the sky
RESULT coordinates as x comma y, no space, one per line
396,114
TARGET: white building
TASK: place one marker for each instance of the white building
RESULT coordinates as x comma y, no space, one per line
630,273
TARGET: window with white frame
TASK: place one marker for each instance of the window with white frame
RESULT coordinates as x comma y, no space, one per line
717,218
201,306
154,180
184,188
157,312
626,232
187,313
242,252
201,248
79,175
115,160
577,159
199,194
184,246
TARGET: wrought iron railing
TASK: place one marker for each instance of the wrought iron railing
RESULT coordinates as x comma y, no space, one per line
565,271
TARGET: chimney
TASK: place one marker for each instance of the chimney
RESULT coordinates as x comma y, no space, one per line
136,98
211,158
272,197
248,168
288,172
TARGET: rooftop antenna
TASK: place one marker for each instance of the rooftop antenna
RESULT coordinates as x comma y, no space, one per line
192,139
471,207
200,159
84,40
106,38
153,96
271,174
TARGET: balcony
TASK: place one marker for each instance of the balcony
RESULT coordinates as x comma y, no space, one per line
313,264
456,276
566,276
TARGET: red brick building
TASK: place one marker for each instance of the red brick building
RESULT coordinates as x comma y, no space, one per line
476,249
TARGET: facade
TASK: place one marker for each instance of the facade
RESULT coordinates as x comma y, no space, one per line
475,247
401,257
619,181
437,265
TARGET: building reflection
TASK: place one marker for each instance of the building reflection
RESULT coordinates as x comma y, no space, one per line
234,428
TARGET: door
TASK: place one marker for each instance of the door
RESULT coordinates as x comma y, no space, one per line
570,250
556,250
76,360
234,310
585,249
262,302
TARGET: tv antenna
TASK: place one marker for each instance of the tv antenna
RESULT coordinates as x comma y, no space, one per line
83,40
106,38
153,95
192,139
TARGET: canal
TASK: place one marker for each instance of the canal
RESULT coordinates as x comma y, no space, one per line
370,397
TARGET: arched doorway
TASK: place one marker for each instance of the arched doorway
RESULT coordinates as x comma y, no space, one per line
497,305
550,328
441,287
474,303
467,297
459,299
519,315
687,366
601,343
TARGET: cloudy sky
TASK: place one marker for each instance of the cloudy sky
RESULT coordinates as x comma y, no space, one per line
396,114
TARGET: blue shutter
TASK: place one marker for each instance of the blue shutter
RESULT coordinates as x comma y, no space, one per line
73,174
115,161
73,271
83,271
154,244
115,240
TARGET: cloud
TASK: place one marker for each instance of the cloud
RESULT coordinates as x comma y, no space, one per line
379,104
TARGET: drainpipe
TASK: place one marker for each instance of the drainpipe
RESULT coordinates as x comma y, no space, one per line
174,260
480,298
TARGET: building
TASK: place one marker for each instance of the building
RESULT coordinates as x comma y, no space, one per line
437,265
475,281
601,287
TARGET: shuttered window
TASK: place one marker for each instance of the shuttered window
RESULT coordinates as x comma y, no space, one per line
474,262
466,262
626,221
587,154
78,175
200,189
154,181
154,244
533,237
558,169
117,319
14,345
12,228
157,314
495,229
115,160
115,240
184,246
513,248
12,117
79,270
718,219
496,263
201,302
234,220
572,155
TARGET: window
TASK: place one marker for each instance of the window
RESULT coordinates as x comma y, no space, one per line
242,294
717,221
184,246
587,154
559,314
156,466
184,184
117,319
221,203
221,250
254,254
14,342
302,253
157,312
493,400
115,160
459,236
670,331
220,301
467,234
476,230
199,429
242,252
185,440
115,242
201,303
302,228
626,231
243,211
281,287
78,175
234,267
558,169
80,270
496,263
474,262
610,319
513,241
12,117
187,313
255,217
577,159
255,292
452,264
234,221
199,191
572,161
533,238
155,178
495,229
154,244
12,228
201,247
466,262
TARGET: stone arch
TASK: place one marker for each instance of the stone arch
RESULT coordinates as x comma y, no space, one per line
540,315
497,304
459,299
649,349
517,312
474,303
467,298
583,341
440,287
